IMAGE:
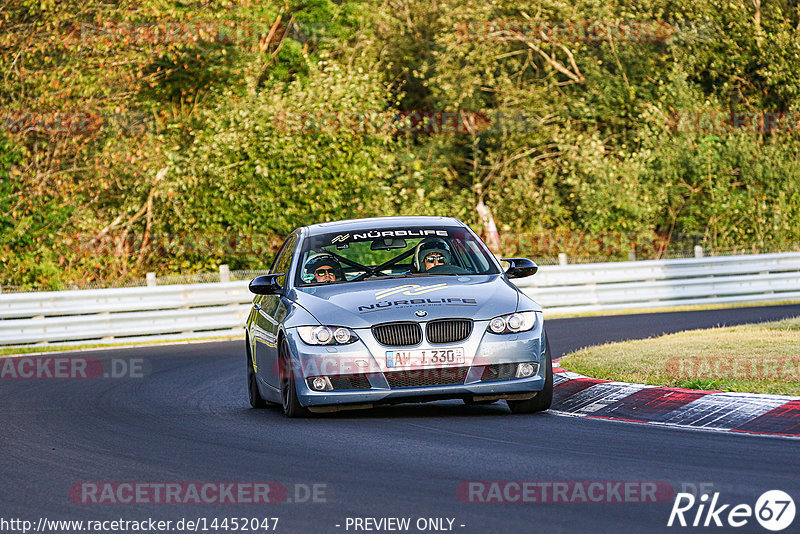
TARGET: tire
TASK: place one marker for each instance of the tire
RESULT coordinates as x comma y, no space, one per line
256,401
291,405
544,398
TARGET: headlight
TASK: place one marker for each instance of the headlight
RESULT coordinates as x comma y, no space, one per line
326,335
512,323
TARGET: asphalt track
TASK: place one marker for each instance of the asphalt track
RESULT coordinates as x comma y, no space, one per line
188,419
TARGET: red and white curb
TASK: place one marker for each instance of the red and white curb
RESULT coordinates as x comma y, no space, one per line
751,413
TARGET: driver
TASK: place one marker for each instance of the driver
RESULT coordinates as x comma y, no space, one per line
432,252
433,258
325,268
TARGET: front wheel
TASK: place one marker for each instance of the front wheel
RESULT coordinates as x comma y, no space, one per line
544,398
291,404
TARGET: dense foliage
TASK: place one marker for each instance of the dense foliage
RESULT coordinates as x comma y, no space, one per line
176,135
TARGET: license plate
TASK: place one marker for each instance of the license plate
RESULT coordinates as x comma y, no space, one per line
424,357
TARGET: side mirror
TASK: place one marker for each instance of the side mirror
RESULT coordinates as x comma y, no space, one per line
265,285
520,267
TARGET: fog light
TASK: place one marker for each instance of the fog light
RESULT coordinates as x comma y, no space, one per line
321,383
528,369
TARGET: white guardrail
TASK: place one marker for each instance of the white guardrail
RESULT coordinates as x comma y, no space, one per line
220,309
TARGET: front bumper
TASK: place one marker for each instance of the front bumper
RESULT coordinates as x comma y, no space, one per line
366,359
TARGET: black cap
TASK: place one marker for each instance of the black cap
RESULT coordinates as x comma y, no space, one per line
323,259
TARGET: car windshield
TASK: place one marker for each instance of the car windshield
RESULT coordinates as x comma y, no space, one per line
345,257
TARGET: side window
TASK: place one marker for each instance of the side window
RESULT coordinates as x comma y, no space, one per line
284,259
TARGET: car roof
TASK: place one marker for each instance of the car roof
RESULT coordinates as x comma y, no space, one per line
377,223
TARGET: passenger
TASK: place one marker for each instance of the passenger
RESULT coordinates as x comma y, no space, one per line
325,268
432,252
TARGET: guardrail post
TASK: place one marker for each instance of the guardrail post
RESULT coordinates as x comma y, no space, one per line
698,251
562,258
632,255
224,273
151,279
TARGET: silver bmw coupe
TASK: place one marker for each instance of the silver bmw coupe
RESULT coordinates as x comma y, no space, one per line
390,310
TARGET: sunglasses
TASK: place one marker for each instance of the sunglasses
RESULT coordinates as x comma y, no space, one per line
435,259
323,272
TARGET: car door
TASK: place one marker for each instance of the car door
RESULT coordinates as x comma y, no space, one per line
273,310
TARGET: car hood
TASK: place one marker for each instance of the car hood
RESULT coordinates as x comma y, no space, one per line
362,304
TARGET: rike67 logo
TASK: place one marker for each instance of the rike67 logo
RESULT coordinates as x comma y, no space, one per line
774,510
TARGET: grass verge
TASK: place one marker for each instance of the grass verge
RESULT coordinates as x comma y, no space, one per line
693,307
758,358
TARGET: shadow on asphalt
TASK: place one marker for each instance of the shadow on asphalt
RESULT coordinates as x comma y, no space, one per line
399,411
